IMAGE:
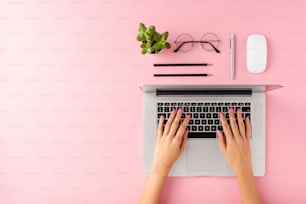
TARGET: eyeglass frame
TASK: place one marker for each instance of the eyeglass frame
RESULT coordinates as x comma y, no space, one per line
197,41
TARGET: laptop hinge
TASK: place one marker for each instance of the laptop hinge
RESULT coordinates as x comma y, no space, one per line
203,92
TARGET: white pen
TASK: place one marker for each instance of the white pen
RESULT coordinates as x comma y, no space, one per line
232,47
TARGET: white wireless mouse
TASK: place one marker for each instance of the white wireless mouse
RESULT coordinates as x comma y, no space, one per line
256,53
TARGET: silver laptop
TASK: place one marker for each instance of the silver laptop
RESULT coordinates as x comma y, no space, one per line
202,156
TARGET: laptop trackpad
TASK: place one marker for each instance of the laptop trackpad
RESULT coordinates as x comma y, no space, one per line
203,155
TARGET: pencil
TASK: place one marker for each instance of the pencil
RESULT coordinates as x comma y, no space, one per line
182,64
181,75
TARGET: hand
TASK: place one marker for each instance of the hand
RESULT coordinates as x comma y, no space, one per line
171,142
237,146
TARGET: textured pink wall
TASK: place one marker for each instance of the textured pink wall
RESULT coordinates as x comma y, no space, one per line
70,108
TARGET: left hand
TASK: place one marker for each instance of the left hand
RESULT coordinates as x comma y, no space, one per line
171,142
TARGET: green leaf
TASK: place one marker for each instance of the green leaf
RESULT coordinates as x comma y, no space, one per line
168,45
142,28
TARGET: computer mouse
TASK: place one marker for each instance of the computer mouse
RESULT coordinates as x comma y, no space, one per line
256,53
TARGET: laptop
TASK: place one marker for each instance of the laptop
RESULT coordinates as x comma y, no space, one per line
202,155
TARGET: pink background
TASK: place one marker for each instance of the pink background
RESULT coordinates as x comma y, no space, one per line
70,106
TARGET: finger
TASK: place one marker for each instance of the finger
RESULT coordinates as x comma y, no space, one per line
226,129
241,124
184,142
160,127
182,129
168,125
175,122
248,128
233,123
221,142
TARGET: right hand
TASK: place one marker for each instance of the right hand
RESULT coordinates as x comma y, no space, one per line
236,148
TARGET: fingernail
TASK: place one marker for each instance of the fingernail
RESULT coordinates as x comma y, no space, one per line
188,116
247,118
180,110
162,116
231,110
187,131
218,132
173,111
221,114
239,111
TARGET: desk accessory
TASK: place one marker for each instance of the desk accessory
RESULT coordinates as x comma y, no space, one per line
209,42
182,64
152,41
181,75
256,53
232,47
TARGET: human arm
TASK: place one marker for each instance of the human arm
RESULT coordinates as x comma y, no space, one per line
237,150
170,143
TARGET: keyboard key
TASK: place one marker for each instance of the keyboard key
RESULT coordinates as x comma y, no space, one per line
207,128
173,104
213,128
201,135
247,115
160,104
202,115
186,109
188,128
208,115
215,115
234,104
220,127
220,104
212,109
205,109
214,104
167,104
227,104
168,115
246,109
199,109
200,104
183,115
201,128
193,104
160,114
217,122
224,109
187,104
207,104
240,104
192,109
210,122
203,122
195,115
160,109
180,104
197,122
194,128
218,109
247,104
226,115
167,109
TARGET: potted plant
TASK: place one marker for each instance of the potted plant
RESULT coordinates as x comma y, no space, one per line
152,41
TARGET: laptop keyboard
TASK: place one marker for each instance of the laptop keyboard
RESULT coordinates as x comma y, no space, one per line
204,120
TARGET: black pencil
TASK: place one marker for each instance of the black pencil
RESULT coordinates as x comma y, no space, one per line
182,64
181,75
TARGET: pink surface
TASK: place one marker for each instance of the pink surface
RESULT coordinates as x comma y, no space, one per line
70,107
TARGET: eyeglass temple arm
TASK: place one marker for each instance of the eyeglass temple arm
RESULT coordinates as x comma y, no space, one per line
177,49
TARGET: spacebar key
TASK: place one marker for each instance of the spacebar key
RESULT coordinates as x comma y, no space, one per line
201,135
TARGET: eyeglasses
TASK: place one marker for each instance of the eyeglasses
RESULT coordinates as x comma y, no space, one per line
209,42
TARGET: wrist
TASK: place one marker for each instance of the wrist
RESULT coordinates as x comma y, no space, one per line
244,172
160,170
